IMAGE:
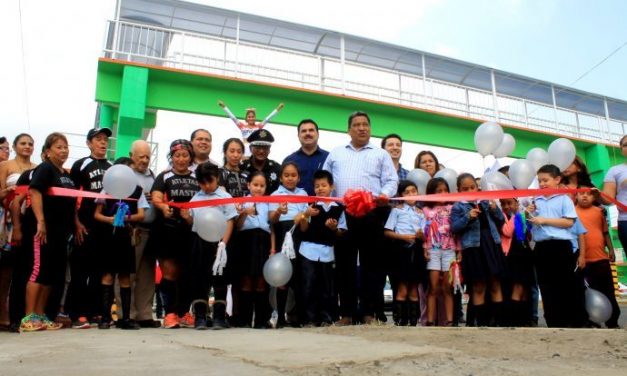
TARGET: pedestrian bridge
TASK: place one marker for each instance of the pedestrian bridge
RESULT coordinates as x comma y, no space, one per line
179,56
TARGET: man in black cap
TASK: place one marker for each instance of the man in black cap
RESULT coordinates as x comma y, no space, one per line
259,143
83,297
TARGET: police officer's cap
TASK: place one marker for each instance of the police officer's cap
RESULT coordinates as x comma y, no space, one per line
260,137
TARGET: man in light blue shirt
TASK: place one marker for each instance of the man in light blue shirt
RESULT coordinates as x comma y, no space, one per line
361,165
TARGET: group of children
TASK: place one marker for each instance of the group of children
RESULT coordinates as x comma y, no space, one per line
499,264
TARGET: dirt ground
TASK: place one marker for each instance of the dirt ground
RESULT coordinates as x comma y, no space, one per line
358,350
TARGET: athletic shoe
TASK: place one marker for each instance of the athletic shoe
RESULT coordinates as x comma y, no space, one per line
187,321
200,324
149,323
81,323
171,321
127,324
105,324
63,319
31,323
220,324
49,324
344,321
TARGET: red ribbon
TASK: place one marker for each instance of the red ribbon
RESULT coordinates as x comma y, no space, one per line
359,201
68,192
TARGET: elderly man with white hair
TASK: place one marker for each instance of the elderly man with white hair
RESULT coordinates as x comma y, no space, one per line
144,279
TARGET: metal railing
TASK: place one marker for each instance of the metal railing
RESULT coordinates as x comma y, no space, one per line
202,53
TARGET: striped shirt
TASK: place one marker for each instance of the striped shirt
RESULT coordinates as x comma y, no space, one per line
369,168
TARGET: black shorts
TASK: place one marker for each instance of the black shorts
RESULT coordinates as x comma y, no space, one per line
171,241
50,260
116,254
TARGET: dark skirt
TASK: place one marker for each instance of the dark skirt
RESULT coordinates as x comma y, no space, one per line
408,264
116,253
250,252
520,264
483,262
280,229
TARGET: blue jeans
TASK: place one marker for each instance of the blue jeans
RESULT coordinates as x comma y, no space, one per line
622,233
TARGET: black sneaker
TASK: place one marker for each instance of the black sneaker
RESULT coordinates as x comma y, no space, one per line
149,323
104,325
219,324
200,324
127,324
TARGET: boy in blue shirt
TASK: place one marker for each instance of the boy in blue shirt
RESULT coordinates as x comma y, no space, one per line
204,253
552,217
320,224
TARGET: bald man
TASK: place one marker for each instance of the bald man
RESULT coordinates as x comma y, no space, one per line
144,278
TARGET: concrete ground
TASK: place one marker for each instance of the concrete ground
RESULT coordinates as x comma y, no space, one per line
357,350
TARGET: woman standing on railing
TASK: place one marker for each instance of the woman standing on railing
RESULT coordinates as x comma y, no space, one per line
251,124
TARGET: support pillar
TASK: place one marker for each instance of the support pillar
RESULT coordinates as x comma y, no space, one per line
598,162
132,111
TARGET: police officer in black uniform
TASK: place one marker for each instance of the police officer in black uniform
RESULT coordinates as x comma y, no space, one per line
260,142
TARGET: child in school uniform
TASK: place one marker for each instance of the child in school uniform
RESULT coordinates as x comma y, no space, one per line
405,226
552,217
597,272
204,253
440,250
254,242
483,264
520,269
282,220
321,224
117,254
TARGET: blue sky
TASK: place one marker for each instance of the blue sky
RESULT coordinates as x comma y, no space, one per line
553,40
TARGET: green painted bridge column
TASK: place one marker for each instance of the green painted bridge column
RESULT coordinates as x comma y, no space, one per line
598,162
132,110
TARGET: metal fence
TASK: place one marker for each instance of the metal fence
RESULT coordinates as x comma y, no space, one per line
202,53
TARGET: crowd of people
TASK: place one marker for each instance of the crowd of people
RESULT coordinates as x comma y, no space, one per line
62,257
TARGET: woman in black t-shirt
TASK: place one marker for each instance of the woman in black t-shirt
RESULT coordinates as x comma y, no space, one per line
54,225
171,236
235,183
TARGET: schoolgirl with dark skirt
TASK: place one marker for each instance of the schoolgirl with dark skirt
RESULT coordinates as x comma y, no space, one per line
520,269
255,240
483,264
171,236
282,219
116,251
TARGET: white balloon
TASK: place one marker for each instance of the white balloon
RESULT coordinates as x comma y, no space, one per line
493,181
488,137
277,270
506,147
419,177
450,176
538,158
521,173
119,181
598,306
562,153
210,224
